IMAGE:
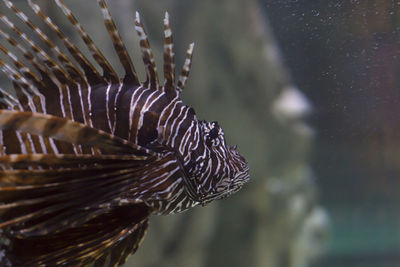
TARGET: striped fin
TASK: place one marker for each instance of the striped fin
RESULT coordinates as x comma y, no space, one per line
186,68
16,77
22,68
108,71
130,73
75,219
67,131
56,50
7,99
78,96
28,91
148,59
54,83
65,159
72,69
56,211
73,196
58,77
68,174
129,245
35,98
29,194
169,58
29,57
113,235
31,100
90,71
43,56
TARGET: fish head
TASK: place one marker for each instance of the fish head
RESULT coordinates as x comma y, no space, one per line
218,170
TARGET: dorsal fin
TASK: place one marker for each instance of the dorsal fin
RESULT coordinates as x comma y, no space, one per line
42,55
22,68
22,76
17,78
55,72
23,98
147,55
108,71
7,99
130,73
34,61
29,99
169,61
65,61
186,68
90,71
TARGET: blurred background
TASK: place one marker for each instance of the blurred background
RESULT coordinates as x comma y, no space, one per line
309,91
344,55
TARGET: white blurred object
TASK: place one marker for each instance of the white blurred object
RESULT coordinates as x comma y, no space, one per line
311,241
291,104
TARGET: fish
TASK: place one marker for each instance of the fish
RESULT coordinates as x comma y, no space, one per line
88,156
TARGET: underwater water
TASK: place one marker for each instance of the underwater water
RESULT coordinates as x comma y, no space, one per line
344,55
308,90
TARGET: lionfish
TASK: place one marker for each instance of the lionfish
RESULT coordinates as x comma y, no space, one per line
86,158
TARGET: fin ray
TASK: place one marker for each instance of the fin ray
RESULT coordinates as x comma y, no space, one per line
169,57
65,130
147,55
119,46
185,69
108,71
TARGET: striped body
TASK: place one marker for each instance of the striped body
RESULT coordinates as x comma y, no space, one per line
87,157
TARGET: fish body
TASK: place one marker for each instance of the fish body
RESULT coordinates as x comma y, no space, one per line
86,157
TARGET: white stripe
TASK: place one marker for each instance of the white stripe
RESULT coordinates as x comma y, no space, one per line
172,132
147,106
183,146
107,108
179,126
164,126
132,107
115,106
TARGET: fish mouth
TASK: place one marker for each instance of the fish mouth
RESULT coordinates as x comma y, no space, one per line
228,186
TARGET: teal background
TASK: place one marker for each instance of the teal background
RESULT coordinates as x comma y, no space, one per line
345,56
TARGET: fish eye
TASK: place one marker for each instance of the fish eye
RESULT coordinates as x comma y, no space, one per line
214,133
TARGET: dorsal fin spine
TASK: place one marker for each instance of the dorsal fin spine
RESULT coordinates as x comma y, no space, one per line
119,46
56,73
186,68
169,61
60,55
74,51
108,71
147,55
